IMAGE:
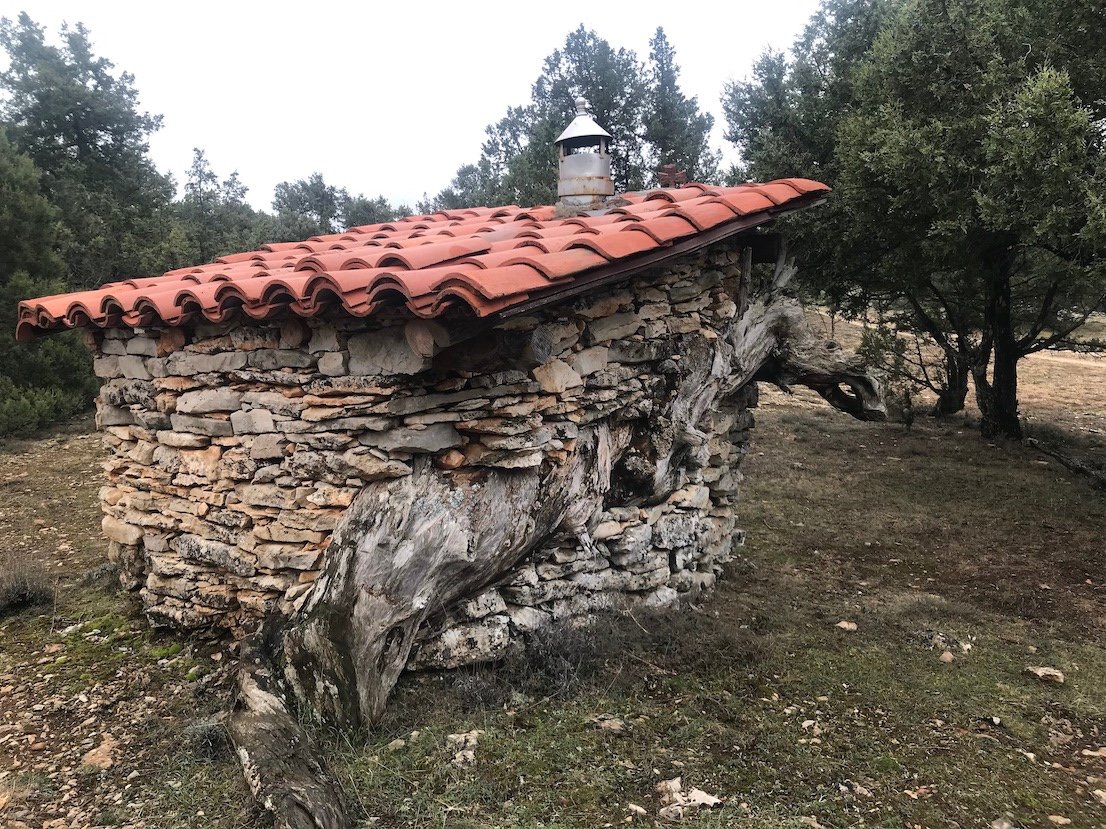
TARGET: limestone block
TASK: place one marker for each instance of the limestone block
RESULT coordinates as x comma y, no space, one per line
286,556
204,401
106,367
133,367
628,351
690,581
120,531
663,596
590,360
632,543
368,467
252,421
268,446
605,306
203,463
270,495
108,415
486,604
431,439
334,363
482,641
212,427
188,363
641,562
182,440
384,352
694,496
606,530
677,530
614,327
194,548
269,359
527,619
685,325
142,346
323,338
276,402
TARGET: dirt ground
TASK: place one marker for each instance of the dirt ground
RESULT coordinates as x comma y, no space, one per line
960,563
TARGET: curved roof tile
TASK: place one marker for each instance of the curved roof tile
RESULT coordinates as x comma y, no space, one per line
477,261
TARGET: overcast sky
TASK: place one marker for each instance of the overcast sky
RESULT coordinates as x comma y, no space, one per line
380,98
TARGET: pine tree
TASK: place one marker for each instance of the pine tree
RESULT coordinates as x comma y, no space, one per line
677,131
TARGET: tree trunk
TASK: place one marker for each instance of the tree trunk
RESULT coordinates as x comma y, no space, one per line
952,396
406,548
999,407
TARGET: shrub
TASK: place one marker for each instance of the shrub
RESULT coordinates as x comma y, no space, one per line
22,585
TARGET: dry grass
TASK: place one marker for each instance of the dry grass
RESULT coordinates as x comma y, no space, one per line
22,585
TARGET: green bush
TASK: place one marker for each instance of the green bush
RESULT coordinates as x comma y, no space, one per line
42,382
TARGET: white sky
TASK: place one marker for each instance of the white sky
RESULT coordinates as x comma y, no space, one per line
380,98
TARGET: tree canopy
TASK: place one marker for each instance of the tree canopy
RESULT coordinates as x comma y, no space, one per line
965,142
643,108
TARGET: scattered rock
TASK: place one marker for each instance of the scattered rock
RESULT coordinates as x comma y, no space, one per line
947,657
608,722
675,803
1059,820
1047,675
848,627
101,757
464,745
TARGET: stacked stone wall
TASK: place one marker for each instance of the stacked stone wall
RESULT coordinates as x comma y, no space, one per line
234,450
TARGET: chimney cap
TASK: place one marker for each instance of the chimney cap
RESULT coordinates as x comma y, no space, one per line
583,125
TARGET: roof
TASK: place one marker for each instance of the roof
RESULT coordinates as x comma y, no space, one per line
481,261
582,126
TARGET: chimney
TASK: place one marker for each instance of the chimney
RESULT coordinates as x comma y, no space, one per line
584,154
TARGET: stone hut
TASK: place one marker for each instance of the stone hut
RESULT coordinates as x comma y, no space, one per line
577,377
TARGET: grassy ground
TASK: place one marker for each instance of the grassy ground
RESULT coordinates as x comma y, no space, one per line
929,541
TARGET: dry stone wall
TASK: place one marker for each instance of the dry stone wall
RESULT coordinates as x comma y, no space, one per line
234,450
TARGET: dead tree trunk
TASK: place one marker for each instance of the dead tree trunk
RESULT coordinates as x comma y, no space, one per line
409,547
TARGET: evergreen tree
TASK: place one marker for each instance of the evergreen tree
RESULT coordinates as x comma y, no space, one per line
214,215
80,123
307,207
651,120
50,379
677,131
974,169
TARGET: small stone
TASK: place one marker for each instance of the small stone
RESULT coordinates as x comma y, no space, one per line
1058,820
614,327
252,422
947,657
450,460
333,363
116,530
847,626
396,744
557,376
590,360
101,756
1047,675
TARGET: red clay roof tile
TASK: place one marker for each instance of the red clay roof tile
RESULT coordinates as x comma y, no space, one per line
477,261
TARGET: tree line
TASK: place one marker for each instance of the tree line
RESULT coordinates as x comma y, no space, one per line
964,140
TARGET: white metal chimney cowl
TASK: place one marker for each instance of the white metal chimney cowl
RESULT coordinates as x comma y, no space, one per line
584,153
